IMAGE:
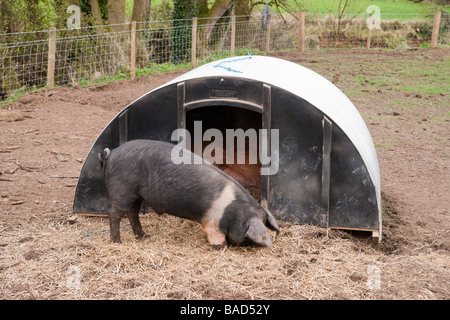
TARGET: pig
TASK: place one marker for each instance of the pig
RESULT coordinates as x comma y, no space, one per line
143,171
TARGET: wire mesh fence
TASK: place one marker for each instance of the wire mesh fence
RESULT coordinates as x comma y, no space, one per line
94,53
352,31
91,57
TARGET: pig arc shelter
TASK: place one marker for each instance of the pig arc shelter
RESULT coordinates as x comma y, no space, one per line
328,172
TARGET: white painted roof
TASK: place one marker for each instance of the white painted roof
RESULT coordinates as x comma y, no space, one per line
306,84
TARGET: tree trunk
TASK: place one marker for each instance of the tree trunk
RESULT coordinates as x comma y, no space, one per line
212,15
242,10
141,14
96,13
116,14
202,7
181,34
141,11
33,15
7,13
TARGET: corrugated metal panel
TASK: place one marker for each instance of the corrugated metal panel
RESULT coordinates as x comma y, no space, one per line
306,84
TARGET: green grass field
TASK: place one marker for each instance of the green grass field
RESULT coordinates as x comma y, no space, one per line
389,9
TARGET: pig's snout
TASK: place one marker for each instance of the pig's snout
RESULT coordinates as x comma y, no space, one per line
258,234
231,217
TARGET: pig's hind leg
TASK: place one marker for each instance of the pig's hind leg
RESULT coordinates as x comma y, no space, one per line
133,216
115,216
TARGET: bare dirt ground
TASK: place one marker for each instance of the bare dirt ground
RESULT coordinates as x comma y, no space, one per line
402,95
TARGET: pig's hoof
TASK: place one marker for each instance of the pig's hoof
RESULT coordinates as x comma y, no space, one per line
116,241
219,246
141,235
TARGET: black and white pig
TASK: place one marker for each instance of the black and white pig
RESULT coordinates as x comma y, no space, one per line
143,171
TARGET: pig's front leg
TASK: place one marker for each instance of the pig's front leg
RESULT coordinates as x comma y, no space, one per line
213,215
215,237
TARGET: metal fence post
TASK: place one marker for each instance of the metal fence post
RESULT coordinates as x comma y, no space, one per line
434,36
51,57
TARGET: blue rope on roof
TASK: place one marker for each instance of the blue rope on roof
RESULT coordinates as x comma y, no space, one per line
221,64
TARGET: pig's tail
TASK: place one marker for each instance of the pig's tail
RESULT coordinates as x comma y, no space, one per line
103,156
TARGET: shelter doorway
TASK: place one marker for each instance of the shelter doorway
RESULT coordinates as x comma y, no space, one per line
243,127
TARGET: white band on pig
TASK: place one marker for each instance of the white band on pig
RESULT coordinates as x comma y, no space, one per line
212,217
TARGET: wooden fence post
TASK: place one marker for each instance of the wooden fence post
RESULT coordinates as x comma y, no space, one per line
369,35
194,42
268,34
434,36
233,35
133,51
301,31
51,57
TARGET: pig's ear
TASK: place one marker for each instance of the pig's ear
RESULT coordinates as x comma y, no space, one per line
257,233
271,223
